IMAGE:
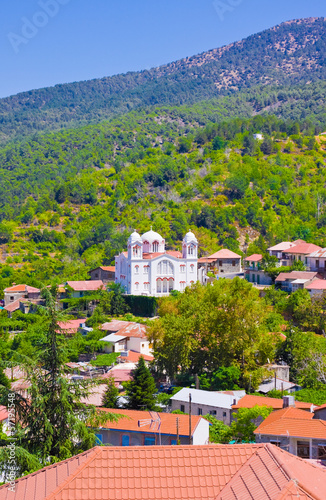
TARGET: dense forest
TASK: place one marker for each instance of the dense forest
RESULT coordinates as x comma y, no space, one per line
290,54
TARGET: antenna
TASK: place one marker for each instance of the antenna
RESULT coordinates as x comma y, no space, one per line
154,423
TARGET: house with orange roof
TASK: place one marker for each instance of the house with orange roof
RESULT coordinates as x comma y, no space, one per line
300,252
16,295
125,336
249,401
82,288
144,428
295,431
207,472
317,287
222,262
103,273
279,251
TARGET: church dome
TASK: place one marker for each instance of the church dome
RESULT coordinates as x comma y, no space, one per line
152,236
190,237
134,237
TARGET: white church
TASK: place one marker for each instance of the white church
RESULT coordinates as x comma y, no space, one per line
148,269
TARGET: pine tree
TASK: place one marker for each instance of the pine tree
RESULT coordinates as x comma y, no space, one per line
141,389
56,424
110,398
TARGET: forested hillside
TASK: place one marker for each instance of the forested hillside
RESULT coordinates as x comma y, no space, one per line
289,54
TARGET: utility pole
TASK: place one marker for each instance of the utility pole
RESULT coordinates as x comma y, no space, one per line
190,418
177,430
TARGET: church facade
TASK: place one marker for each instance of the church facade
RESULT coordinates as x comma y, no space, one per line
148,269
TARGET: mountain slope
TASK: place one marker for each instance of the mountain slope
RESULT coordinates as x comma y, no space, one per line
291,53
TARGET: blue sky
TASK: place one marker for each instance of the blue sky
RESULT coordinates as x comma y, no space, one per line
44,42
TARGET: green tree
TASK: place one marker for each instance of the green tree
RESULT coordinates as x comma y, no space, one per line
246,421
218,431
141,389
111,395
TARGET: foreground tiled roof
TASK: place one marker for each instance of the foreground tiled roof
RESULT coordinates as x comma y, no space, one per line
168,422
293,422
210,472
249,401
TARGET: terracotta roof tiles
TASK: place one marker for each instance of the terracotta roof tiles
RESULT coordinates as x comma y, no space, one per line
249,401
256,257
224,253
86,286
209,472
303,248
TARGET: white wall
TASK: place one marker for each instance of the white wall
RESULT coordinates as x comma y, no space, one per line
201,434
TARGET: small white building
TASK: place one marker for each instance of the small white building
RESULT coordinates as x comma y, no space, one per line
218,404
148,269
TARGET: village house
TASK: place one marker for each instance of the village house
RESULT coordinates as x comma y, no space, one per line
249,401
300,252
16,297
127,337
294,280
316,261
219,472
103,273
254,272
278,251
222,262
146,428
218,404
148,269
316,287
78,289
295,431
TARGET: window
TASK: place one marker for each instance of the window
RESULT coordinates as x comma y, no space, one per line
125,440
212,412
12,298
220,263
171,284
136,286
182,408
303,449
136,269
165,267
317,263
159,286
182,285
149,441
224,414
99,438
165,285
136,251
192,268
146,269
96,275
182,269
146,286
200,411
173,442
322,452
155,246
276,443
233,263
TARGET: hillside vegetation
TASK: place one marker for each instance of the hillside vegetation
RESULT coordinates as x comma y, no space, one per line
289,54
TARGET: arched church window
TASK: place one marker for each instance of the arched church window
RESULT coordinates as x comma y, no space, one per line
155,246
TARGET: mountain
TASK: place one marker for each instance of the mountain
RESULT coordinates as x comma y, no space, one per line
292,53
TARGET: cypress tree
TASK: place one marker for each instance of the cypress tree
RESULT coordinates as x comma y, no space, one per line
141,389
110,398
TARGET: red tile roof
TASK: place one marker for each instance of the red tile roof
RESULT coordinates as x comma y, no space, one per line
114,326
297,275
168,422
13,306
172,253
3,413
72,325
22,288
111,269
125,328
210,472
119,375
256,257
317,285
292,422
133,357
249,401
86,286
225,254
303,248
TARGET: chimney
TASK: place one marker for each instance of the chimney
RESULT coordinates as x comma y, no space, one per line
288,401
